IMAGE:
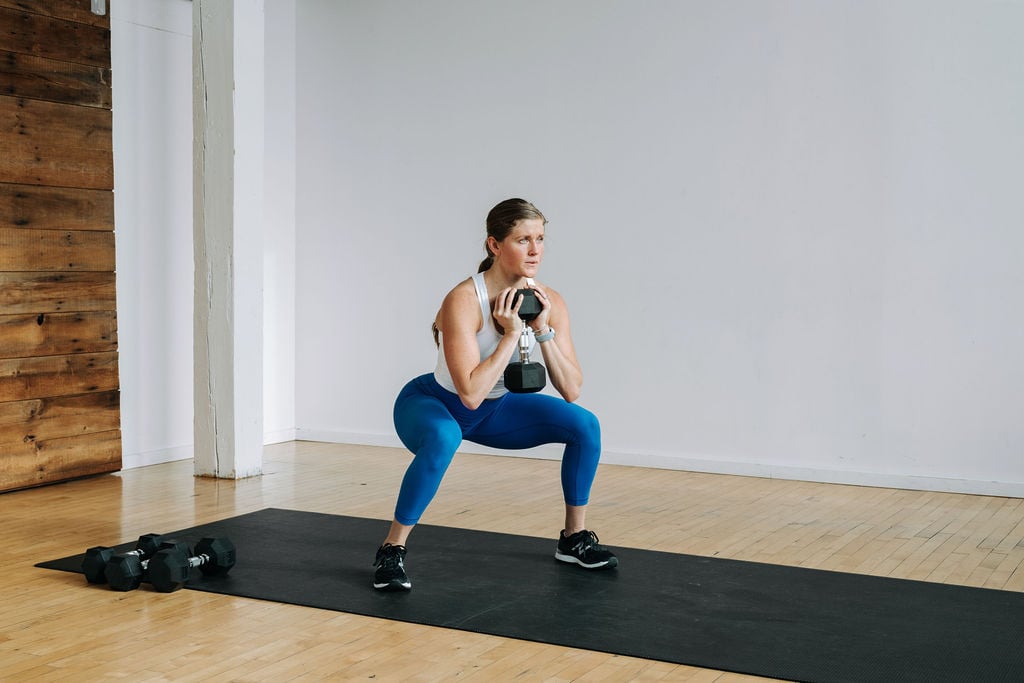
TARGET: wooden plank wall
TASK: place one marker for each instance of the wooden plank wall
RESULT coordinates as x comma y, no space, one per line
59,399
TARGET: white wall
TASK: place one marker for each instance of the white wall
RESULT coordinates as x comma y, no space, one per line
279,225
789,232
151,55
805,213
151,72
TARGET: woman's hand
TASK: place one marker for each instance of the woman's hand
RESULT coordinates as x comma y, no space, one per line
506,311
540,323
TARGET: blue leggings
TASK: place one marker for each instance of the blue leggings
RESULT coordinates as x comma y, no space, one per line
432,422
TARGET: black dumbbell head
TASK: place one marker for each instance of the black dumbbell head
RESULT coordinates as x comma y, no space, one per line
525,378
222,555
180,546
149,544
124,572
169,570
531,307
94,564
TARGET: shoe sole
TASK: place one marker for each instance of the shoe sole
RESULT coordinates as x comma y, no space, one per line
393,586
572,559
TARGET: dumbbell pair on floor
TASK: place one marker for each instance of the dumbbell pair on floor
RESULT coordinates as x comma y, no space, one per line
167,565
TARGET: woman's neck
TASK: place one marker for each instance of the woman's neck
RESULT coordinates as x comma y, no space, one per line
498,279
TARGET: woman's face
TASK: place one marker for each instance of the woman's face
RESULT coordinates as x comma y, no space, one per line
521,252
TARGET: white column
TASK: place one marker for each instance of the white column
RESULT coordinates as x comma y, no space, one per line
227,63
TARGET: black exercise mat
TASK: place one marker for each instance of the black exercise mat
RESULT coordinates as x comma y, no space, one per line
767,620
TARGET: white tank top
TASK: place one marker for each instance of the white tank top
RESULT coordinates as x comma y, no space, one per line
487,339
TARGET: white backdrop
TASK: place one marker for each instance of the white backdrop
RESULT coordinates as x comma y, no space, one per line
790,233
151,75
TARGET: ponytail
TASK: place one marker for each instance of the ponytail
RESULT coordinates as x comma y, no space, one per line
486,263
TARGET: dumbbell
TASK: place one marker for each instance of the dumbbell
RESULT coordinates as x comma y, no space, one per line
171,569
531,306
522,376
126,571
94,564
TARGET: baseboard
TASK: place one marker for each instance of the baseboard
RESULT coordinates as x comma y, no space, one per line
690,464
355,438
131,461
548,452
280,436
820,475
156,457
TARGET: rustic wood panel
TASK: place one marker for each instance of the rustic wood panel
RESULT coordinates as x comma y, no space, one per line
55,144
40,78
67,167
73,10
42,462
55,334
55,208
54,125
59,400
35,292
49,418
55,38
25,378
73,250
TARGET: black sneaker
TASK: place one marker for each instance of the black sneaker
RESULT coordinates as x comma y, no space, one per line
390,574
583,549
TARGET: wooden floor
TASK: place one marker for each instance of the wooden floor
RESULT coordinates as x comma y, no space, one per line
54,627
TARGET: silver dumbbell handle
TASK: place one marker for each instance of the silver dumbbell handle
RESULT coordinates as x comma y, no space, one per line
524,344
524,336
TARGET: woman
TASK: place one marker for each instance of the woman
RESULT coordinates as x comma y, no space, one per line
477,332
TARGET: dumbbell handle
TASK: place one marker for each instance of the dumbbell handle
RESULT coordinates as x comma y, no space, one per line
198,560
524,336
524,344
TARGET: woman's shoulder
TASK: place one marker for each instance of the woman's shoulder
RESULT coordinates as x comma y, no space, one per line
461,303
462,294
464,288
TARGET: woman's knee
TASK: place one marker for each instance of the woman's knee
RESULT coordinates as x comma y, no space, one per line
423,421
447,438
435,447
587,427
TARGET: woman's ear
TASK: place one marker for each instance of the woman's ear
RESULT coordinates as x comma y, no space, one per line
492,245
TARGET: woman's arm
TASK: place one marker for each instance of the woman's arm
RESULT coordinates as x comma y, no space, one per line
459,320
559,353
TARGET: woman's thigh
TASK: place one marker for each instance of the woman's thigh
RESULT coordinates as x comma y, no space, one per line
422,420
528,420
